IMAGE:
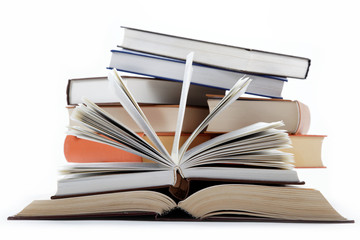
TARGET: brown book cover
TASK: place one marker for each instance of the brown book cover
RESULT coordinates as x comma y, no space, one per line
178,216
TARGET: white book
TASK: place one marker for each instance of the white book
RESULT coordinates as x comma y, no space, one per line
216,54
144,89
173,70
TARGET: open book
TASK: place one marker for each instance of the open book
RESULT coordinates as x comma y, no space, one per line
228,202
184,184
245,155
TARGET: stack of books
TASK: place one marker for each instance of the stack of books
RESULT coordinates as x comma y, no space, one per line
166,136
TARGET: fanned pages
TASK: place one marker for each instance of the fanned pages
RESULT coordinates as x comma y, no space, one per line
135,112
259,137
131,106
235,92
102,127
222,158
182,106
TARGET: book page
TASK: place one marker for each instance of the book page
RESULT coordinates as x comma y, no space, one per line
77,184
182,106
117,143
236,91
131,106
249,130
103,128
264,139
246,174
111,167
252,150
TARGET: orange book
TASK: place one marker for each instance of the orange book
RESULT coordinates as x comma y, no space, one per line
84,151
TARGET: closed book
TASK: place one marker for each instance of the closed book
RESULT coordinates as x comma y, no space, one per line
215,54
173,69
162,117
307,150
79,150
144,90
245,111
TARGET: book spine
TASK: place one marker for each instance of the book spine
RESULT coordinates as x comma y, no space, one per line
180,189
304,118
68,92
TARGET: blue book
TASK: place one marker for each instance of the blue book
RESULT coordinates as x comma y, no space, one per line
173,69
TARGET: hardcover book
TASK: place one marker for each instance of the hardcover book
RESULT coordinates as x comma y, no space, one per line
229,202
307,150
145,91
79,150
162,118
215,54
245,111
173,70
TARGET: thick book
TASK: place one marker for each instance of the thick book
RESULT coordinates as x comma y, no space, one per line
245,111
173,69
162,118
215,54
307,150
145,91
77,150
227,202
97,178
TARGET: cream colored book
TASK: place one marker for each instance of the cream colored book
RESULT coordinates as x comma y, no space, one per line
246,111
145,91
307,150
161,117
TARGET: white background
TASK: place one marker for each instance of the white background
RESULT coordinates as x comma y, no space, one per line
43,44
